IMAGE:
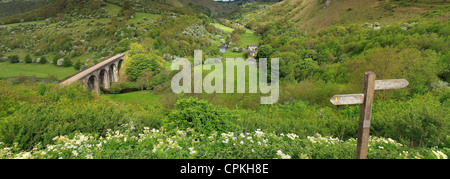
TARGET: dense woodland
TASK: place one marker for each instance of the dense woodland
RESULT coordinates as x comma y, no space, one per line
314,65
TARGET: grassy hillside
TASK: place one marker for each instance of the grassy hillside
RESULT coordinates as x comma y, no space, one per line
39,71
313,15
82,39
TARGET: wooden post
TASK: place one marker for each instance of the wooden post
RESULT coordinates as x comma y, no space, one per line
366,101
365,115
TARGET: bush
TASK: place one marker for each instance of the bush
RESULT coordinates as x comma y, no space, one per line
55,60
78,65
140,62
28,59
200,116
43,60
67,62
32,114
13,59
421,121
122,46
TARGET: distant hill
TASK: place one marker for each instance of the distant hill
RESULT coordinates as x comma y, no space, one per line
79,7
12,7
313,15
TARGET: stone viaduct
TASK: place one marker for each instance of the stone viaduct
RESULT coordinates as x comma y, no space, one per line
99,75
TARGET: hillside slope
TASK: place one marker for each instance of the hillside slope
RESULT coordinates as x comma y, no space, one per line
313,15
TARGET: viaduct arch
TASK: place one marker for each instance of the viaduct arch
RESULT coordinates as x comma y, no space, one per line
100,75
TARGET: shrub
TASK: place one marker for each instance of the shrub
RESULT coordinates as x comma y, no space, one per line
28,59
140,62
78,65
67,62
55,60
200,116
421,121
13,59
32,114
122,46
43,60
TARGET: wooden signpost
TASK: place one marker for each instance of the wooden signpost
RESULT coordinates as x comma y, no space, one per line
366,101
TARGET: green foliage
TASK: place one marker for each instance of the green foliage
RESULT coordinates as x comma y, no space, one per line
67,62
138,60
13,59
78,65
55,60
421,121
36,113
124,143
137,64
28,59
55,9
122,46
43,60
200,116
265,51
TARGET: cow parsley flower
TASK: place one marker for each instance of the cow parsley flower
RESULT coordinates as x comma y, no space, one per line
282,155
192,151
292,136
75,153
439,155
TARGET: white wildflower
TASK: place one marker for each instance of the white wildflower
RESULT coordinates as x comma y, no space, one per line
192,151
75,153
259,133
182,133
225,141
292,136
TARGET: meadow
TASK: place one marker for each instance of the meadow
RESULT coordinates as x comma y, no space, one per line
9,70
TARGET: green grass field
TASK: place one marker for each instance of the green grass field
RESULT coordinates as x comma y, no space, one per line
225,28
249,38
8,70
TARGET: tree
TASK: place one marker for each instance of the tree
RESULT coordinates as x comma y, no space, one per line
67,62
138,60
236,38
127,10
28,59
55,60
265,51
43,60
137,64
122,46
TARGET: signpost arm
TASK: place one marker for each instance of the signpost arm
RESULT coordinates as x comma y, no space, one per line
365,115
